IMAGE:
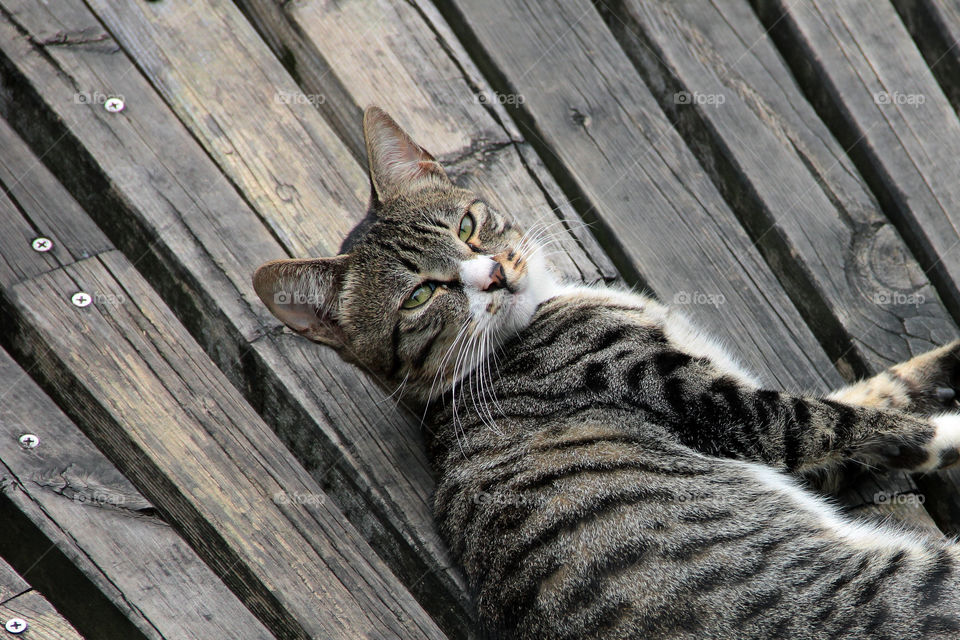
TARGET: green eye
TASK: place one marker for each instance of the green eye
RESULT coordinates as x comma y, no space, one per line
467,224
420,296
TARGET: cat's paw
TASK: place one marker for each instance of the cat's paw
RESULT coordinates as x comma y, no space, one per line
943,450
932,380
924,385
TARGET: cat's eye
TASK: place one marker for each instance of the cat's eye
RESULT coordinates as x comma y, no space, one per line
467,224
419,296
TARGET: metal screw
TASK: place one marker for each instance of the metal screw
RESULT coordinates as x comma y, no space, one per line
42,244
16,625
29,441
81,299
114,105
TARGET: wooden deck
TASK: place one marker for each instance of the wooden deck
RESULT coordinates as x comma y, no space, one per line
175,464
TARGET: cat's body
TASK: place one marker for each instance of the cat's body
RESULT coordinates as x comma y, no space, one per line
604,470
590,510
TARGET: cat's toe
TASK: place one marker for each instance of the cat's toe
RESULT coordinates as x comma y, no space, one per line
943,450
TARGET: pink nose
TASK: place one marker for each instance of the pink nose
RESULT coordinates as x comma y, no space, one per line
498,278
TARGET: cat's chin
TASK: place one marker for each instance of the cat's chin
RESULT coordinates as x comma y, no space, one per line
514,311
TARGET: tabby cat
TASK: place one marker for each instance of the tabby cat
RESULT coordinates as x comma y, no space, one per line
604,469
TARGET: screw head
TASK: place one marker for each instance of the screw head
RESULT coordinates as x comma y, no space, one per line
16,625
81,299
42,244
114,105
29,441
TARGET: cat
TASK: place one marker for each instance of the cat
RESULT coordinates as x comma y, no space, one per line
604,469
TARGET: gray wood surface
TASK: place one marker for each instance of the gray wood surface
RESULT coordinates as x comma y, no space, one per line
19,600
858,66
424,78
935,27
103,555
147,395
133,378
66,489
720,80
607,142
157,194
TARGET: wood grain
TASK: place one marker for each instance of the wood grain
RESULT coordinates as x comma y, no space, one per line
98,543
19,600
158,196
859,67
608,144
788,180
132,377
405,59
137,340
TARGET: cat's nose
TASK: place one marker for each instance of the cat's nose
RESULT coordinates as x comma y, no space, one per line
498,278
484,273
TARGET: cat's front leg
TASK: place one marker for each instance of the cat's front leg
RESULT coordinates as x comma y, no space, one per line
927,384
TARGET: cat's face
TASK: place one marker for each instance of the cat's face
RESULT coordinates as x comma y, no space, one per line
426,288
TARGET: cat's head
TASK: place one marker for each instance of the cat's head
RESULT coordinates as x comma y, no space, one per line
430,283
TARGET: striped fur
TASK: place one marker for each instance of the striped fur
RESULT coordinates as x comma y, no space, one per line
605,470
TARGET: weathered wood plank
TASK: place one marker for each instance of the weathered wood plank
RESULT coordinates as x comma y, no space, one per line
607,142
787,178
195,55
127,562
859,67
162,201
138,338
721,81
19,600
935,27
424,79
67,492
145,393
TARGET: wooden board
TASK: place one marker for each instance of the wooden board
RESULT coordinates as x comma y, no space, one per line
144,392
167,206
425,79
859,67
602,134
19,600
935,27
188,476
308,187
106,559
788,180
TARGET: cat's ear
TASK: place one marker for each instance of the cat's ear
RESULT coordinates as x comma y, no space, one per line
397,163
304,295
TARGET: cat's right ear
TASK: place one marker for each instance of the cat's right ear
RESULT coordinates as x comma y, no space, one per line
396,162
305,295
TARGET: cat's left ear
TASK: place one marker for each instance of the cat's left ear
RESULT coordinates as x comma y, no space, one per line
397,163
305,295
